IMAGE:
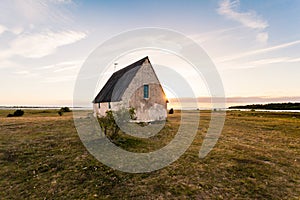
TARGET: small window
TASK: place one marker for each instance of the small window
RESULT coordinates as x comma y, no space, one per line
109,106
146,91
98,105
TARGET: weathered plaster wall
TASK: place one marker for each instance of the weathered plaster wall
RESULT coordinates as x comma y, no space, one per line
152,108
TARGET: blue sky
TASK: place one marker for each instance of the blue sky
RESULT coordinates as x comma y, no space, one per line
254,44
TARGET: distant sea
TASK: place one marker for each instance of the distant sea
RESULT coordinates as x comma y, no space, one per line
42,107
90,108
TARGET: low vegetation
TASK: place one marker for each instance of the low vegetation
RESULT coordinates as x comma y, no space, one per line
256,157
63,110
17,113
270,106
113,119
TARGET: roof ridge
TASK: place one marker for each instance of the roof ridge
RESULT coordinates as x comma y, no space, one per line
106,93
133,64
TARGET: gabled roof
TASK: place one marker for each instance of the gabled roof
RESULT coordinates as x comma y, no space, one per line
111,93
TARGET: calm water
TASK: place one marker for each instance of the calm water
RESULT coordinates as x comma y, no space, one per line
90,108
43,108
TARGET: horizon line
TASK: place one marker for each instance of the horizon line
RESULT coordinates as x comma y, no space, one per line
236,100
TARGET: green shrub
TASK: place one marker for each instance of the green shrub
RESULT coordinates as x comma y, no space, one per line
60,113
17,113
113,119
109,125
62,110
132,113
65,109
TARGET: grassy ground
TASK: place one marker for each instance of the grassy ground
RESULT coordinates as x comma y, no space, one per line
257,156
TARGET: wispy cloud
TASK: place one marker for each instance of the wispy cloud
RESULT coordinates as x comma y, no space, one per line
61,72
62,66
294,60
57,79
275,60
66,69
265,62
61,1
41,44
2,29
262,37
25,73
258,51
248,19
5,63
14,30
35,12
213,35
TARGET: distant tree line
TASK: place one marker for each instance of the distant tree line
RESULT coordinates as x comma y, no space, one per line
270,106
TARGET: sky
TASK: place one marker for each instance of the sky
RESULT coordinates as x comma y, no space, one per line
255,45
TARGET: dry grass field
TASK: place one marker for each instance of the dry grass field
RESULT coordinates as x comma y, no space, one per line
256,157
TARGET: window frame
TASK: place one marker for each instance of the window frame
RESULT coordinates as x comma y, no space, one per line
144,91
